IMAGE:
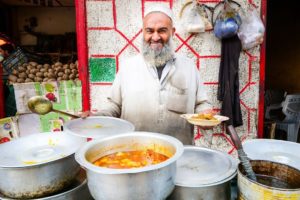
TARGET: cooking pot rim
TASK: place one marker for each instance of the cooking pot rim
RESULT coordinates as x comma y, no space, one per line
80,154
38,165
266,186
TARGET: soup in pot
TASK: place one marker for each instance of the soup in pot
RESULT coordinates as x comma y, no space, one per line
130,159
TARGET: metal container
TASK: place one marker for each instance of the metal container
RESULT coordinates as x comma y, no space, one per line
78,190
279,151
147,183
38,165
280,182
204,174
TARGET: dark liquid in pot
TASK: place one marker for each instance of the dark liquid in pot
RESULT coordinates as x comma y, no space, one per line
274,182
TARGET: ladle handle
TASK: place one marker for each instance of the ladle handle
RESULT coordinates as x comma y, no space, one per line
234,137
242,155
65,113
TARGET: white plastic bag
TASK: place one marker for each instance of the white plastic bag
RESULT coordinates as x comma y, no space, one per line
251,31
191,21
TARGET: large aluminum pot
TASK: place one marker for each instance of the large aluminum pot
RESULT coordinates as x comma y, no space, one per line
147,183
274,181
78,190
204,174
38,165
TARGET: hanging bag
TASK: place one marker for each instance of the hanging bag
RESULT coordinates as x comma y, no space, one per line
227,21
251,32
195,19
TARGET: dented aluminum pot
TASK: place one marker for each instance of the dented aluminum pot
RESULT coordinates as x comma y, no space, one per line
147,183
78,190
274,181
38,165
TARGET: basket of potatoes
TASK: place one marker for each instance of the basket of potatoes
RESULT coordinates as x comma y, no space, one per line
34,72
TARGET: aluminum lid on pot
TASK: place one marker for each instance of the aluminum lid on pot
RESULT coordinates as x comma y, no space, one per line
98,127
204,167
38,148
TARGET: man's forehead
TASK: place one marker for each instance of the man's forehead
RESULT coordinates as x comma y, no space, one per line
157,18
159,8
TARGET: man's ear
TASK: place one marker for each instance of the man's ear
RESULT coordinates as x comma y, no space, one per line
173,31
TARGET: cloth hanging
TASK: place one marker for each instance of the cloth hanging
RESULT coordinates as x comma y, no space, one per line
228,89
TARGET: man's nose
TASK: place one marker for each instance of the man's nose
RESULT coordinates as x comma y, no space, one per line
155,37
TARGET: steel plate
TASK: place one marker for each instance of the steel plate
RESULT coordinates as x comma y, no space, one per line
98,127
280,151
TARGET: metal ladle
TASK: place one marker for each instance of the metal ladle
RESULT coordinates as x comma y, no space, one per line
42,106
242,155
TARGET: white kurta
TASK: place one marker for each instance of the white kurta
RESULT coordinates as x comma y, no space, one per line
155,105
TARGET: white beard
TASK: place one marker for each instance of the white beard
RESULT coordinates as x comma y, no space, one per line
158,58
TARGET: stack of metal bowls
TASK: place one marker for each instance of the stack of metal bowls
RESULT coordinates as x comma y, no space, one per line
39,166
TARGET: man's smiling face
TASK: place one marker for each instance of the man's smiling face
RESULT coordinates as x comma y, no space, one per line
157,30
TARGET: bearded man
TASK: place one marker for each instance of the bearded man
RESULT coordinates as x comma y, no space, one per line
154,88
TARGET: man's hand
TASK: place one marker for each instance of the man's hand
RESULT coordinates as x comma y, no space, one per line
85,114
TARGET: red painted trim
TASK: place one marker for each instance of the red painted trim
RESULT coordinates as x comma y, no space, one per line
262,74
114,13
187,45
211,56
82,48
2,112
183,43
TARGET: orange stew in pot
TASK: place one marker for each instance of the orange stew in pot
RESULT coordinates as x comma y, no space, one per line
130,159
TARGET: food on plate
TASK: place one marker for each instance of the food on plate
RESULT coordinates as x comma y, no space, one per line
131,159
204,116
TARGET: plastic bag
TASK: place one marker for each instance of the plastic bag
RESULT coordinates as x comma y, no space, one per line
190,21
251,32
227,23
194,22
202,10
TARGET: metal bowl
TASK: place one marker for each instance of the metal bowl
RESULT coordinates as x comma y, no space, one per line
38,165
148,183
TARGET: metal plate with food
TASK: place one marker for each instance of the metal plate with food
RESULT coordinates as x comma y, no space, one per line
204,119
98,127
279,151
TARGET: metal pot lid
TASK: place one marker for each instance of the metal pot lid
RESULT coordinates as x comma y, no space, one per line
39,148
280,151
199,167
98,127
